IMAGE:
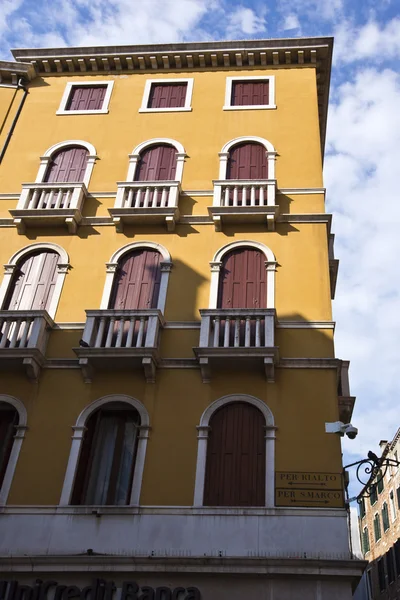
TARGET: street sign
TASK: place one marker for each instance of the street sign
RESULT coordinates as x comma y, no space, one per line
300,488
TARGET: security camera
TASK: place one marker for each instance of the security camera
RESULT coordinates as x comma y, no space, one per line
341,429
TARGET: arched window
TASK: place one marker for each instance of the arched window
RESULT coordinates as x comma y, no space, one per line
33,282
243,276
12,433
247,157
137,280
157,163
159,159
236,453
108,451
107,459
67,165
34,278
137,277
71,161
243,279
8,422
235,468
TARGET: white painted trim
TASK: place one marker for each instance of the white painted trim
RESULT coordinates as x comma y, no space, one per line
18,439
135,156
305,325
224,154
67,92
203,429
45,159
62,269
188,99
78,435
270,266
271,93
112,265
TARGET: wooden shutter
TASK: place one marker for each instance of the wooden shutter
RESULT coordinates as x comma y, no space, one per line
247,161
157,163
167,95
67,165
235,465
250,93
86,97
243,280
8,422
137,282
33,284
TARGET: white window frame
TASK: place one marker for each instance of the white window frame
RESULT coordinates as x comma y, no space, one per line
271,92
77,440
270,267
67,92
47,156
146,95
16,447
203,430
63,267
134,158
270,154
112,266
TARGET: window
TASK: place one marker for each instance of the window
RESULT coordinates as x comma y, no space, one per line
8,423
380,483
235,466
107,458
374,495
136,285
392,505
86,98
167,95
249,93
390,565
398,497
385,517
397,556
381,574
365,540
377,528
361,505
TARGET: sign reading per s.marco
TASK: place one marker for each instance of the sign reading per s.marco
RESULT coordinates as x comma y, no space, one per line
298,488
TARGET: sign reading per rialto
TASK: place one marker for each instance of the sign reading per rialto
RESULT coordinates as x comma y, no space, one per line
98,590
309,489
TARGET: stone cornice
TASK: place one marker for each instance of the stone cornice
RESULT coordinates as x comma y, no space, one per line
248,54
11,72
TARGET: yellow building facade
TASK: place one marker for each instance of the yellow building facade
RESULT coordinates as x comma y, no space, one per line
166,308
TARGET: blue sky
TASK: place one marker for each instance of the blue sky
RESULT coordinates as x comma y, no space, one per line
362,158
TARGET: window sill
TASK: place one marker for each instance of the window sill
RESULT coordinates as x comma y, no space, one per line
82,112
171,109
251,107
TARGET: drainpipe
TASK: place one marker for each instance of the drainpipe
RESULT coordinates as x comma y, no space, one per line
20,85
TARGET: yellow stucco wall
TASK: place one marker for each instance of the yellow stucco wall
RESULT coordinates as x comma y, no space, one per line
302,400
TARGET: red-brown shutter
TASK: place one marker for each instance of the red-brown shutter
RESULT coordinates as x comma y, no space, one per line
86,97
170,95
67,165
8,422
250,93
235,465
243,282
157,163
33,284
247,161
137,282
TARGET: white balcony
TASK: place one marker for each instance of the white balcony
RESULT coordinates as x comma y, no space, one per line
23,340
244,201
120,339
146,202
50,205
235,338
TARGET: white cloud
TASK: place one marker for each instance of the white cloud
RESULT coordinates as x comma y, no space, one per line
291,22
312,10
370,41
245,21
361,175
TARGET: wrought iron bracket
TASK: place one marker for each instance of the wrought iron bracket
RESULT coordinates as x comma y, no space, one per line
369,472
